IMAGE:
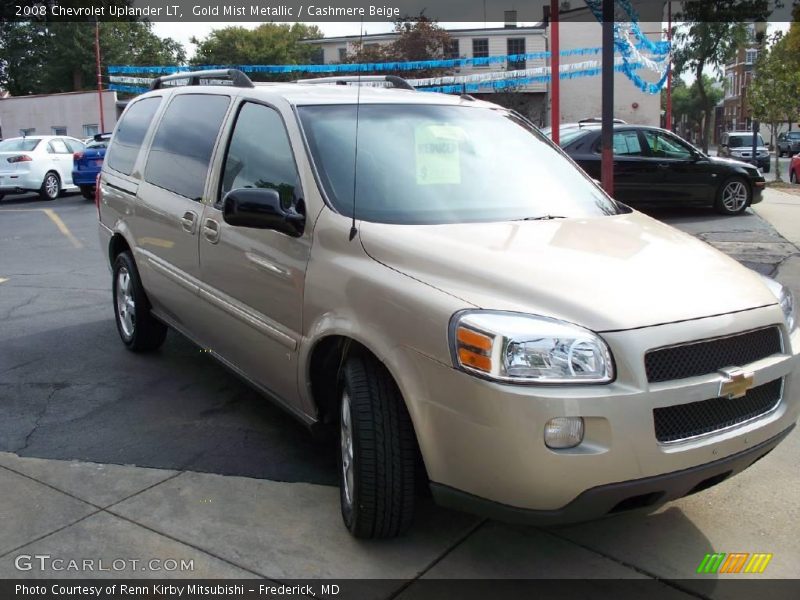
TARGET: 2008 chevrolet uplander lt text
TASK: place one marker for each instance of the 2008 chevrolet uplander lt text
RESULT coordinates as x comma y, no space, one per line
449,293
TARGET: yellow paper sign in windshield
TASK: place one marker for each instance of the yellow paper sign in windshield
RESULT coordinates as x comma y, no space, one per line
437,154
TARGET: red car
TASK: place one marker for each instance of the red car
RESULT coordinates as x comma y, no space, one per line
794,169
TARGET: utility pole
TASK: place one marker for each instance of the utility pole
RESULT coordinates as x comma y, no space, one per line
668,121
607,134
99,75
555,72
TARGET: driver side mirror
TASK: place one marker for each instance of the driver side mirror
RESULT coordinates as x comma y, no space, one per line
261,208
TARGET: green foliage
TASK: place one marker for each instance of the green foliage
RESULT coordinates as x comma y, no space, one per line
711,32
775,92
269,43
44,58
687,100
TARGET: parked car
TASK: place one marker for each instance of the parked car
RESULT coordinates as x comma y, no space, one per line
456,301
739,145
794,169
655,166
86,164
37,164
789,143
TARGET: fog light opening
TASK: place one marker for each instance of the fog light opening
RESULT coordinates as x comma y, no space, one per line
563,432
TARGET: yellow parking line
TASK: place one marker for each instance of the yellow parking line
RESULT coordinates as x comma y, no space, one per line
62,227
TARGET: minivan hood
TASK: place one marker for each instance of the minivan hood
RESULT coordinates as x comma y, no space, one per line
605,273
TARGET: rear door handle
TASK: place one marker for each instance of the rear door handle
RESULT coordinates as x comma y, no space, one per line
663,166
211,230
189,222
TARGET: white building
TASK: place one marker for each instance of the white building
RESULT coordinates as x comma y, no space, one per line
76,114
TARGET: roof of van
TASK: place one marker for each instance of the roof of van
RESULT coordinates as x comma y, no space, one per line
300,94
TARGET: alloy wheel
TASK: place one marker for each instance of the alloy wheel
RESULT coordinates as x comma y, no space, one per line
734,196
126,307
51,186
346,438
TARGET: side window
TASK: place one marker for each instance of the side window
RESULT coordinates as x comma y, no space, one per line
181,150
626,143
129,134
74,145
663,146
260,155
59,147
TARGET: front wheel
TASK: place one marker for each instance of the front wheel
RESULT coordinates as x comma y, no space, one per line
139,329
733,196
792,177
377,457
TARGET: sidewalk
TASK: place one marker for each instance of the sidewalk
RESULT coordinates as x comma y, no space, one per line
782,211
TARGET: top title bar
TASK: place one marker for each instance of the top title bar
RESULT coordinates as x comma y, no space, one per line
510,12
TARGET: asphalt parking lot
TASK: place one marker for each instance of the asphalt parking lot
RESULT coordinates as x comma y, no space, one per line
70,391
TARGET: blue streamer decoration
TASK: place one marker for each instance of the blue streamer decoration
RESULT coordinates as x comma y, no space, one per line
354,67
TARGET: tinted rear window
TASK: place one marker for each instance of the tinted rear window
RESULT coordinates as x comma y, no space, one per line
739,141
130,133
181,150
18,145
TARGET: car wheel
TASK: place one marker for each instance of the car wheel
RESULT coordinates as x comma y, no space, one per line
767,168
88,192
781,153
51,186
792,176
733,196
139,329
377,455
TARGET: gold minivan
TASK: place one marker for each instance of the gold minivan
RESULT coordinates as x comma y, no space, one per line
432,279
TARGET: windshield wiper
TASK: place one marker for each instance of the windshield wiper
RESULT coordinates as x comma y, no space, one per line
542,218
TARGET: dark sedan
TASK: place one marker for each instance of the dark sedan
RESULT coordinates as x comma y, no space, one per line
654,166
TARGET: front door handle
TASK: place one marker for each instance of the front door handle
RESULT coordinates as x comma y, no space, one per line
189,222
211,230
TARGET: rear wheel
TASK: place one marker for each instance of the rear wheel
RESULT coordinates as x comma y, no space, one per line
51,186
139,329
377,456
733,196
88,191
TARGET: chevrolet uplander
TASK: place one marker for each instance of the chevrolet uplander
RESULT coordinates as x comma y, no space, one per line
430,279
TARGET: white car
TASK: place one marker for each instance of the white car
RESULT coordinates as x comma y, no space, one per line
37,163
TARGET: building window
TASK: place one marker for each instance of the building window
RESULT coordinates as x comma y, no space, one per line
480,48
29,131
750,56
318,56
515,46
452,49
342,54
59,129
90,130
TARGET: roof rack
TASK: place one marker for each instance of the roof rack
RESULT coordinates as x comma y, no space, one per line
396,81
237,78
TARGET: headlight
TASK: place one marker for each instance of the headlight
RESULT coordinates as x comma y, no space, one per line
518,348
786,300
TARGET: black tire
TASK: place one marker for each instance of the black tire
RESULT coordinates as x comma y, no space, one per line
781,153
142,332
88,192
724,203
767,168
51,186
383,451
792,176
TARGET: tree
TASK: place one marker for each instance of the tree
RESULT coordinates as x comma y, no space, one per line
774,92
44,58
689,104
418,38
711,33
269,43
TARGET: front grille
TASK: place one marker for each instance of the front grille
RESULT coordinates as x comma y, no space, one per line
708,356
684,421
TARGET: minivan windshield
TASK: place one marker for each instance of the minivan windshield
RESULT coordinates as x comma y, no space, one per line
744,141
421,164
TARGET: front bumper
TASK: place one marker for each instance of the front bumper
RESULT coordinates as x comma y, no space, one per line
613,498
485,439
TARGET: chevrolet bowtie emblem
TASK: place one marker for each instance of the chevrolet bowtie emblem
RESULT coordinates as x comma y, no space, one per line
735,383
